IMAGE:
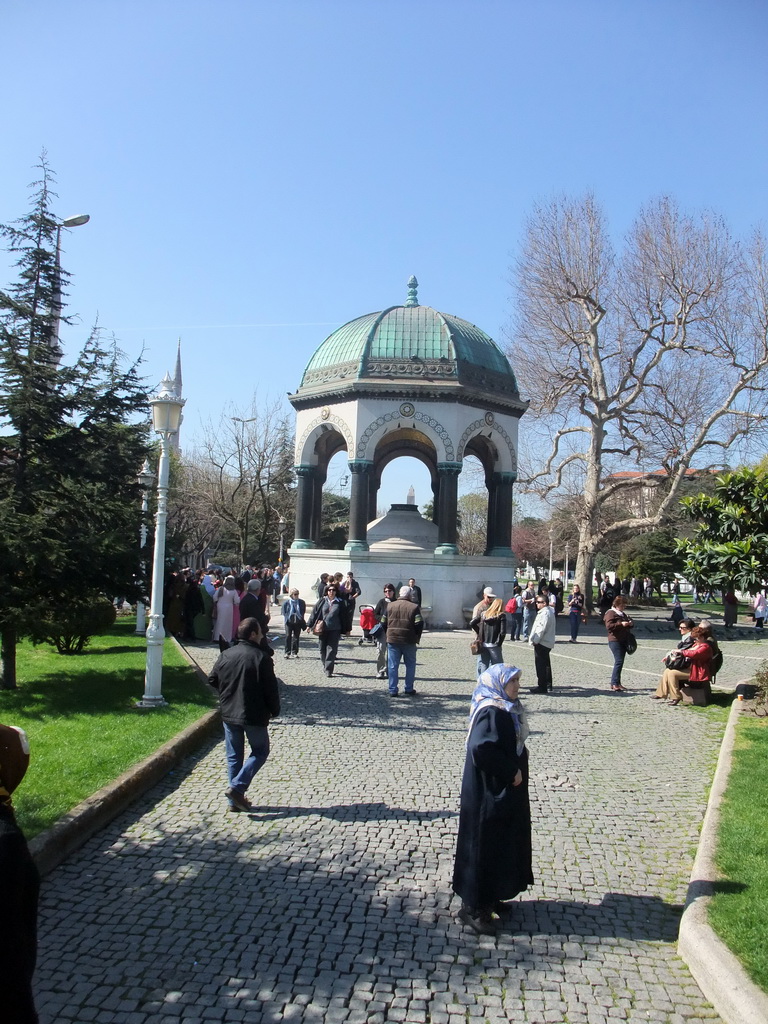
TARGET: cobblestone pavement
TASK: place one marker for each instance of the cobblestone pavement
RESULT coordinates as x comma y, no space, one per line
332,901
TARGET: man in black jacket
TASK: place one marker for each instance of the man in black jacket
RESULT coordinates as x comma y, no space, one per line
415,592
252,605
248,698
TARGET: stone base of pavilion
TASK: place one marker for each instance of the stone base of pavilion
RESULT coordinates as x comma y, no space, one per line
450,583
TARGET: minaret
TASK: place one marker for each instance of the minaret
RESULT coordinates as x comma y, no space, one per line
177,374
411,497
173,440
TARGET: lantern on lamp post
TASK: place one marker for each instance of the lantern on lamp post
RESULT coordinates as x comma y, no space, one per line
166,419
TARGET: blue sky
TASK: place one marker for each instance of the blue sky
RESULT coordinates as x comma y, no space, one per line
258,173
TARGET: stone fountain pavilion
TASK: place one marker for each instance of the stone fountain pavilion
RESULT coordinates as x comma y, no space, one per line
408,380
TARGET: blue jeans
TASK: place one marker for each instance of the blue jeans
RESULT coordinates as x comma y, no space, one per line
575,618
394,653
529,614
517,626
241,770
489,656
619,653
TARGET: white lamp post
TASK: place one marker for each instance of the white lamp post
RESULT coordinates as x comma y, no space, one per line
166,419
146,478
281,525
551,543
567,553
56,303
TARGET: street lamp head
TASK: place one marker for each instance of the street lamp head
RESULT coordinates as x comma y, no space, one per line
281,525
166,408
146,477
75,222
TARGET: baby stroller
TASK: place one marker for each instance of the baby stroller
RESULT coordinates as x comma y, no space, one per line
367,623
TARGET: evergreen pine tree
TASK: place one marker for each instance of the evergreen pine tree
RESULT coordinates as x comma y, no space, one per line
70,448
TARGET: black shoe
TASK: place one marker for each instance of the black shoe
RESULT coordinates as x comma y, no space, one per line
237,801
538,689
479,921
410,693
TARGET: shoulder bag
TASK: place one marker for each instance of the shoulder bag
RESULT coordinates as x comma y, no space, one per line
676,660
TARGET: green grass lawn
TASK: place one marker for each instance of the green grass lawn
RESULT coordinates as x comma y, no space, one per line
78,714
739,909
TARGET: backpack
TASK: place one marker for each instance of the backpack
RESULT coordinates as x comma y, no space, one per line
717,660
511,606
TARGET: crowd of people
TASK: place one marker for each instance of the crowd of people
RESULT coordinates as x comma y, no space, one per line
529,616
206,604
209,605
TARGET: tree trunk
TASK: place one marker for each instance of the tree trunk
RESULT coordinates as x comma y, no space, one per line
8,659
585,574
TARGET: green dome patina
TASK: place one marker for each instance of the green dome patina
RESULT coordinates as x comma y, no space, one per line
409,344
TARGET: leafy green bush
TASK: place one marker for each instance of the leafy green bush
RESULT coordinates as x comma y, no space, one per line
70,629
761,697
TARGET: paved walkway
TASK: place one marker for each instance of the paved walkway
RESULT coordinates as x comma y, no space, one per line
332,901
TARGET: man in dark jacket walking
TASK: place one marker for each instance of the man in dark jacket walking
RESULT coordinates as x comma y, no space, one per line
248,698
252,605
404,624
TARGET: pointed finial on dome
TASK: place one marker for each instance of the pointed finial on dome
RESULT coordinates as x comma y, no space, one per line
413,299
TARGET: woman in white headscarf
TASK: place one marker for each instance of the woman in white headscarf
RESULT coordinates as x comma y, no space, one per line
225,600
493,850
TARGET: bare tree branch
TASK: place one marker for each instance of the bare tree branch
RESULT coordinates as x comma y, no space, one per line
656,355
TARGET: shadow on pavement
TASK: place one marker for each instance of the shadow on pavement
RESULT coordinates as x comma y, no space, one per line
349,812
618,915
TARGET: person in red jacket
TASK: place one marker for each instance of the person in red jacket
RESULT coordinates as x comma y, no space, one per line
699,658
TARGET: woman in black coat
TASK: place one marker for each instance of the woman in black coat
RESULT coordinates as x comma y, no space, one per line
329,609
493,850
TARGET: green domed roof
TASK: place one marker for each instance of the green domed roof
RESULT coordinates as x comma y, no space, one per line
409,344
